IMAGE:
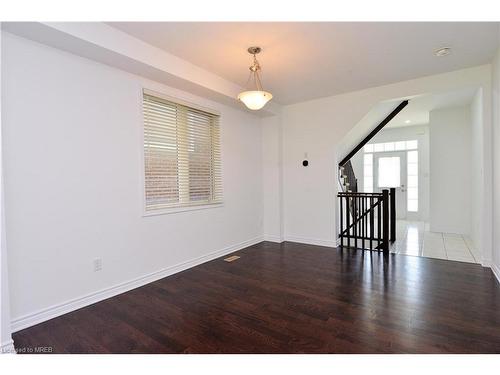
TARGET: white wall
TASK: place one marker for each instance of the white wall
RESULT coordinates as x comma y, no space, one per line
450,170
318,127
495,261
6,343
477,170
72,149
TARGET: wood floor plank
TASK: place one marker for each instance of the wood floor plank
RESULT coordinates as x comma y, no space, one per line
291,298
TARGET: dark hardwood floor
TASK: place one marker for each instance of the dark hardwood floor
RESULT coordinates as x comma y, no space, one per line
292,298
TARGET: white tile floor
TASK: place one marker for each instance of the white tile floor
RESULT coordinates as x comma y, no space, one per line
414,238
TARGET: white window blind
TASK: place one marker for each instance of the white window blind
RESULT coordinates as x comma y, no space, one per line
181,155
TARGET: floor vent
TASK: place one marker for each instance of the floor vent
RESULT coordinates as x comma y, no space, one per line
232,258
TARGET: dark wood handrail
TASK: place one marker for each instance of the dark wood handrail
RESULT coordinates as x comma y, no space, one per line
384,122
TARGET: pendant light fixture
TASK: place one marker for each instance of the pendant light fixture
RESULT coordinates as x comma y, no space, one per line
257,98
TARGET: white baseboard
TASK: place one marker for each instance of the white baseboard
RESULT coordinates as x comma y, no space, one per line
89,299
7,347
496,271
272,238
311,241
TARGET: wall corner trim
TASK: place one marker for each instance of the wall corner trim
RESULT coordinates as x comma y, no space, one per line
7,347
496,271
54,311
312,241
272,238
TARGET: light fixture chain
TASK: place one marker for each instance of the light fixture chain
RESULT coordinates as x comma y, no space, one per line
248,80
258,82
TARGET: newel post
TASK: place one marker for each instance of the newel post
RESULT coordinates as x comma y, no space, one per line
392,219
385,220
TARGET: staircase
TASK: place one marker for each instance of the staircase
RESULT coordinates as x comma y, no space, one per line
367,220
348,180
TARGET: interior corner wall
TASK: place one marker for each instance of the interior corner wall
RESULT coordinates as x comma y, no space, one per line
5,329
477,171
73,184
272,178
450,170
495,261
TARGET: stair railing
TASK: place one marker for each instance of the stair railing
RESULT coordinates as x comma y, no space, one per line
368,220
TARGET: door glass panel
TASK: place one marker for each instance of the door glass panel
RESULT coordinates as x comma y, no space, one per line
413,181
412,193
412,169
412,156
389,172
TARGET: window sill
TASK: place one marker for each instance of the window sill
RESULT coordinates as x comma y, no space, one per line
174,210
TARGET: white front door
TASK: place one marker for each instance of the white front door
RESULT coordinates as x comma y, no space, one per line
390,171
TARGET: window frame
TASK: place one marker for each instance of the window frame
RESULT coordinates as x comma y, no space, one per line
175,209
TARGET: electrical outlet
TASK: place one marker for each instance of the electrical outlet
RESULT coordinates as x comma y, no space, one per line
97,264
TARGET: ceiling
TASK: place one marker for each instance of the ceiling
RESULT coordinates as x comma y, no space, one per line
417,110
303,61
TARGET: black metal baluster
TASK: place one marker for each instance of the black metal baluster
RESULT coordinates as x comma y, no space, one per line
393,214
385,218
348,220
341,222
355,216
371,222
379,221
363,221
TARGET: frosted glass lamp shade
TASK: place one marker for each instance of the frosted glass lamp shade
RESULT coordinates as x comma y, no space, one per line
255,100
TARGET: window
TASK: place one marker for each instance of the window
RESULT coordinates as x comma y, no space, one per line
181,155
412,180
368,173
391,146
400,145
